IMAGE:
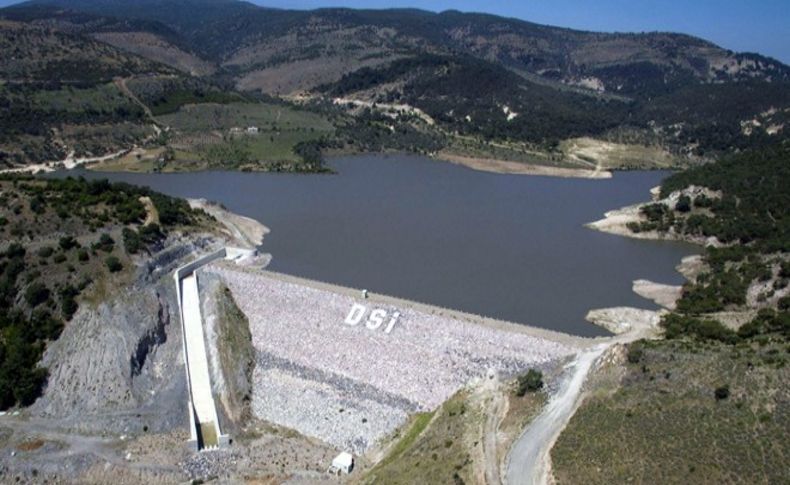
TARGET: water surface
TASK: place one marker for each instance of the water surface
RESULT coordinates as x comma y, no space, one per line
505,246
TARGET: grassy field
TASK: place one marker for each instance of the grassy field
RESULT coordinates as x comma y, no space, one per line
447,446
201,137
435,449
665,424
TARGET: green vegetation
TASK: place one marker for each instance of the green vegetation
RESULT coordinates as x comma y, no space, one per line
750,217
709,403
536,89
214,135
684,413
114,264
236,354
45,279
532,381
753,210
435,449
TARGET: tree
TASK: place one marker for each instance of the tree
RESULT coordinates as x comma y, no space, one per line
532,381
683,204
68,242
113,264
36,294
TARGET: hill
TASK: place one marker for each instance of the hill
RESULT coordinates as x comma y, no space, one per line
491,87
708,402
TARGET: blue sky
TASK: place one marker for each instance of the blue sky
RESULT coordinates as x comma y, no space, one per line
742,25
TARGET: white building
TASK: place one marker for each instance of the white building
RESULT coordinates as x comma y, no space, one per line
343,463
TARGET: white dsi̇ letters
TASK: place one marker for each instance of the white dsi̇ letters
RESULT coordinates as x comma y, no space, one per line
374,321
355,315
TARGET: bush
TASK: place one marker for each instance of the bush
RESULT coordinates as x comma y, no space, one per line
67,242
680,326
36,294
767,321
702,201
722,393
45,252
635,353
82,255
68,303
113,264
106,243
634,227
683,204
532,381
132,241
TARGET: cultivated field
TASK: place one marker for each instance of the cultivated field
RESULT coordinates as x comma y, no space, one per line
204,133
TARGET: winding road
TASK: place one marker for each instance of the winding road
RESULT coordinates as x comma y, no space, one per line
528,461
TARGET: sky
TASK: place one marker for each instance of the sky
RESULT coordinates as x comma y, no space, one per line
741,25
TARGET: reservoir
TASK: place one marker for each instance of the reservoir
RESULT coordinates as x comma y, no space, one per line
505,246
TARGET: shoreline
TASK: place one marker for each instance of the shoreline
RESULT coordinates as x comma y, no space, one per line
481,164
492,165
245,231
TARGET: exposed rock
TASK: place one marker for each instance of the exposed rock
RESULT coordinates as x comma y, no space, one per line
663,295
619,320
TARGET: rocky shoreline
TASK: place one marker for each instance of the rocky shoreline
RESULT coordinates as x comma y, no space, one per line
521,168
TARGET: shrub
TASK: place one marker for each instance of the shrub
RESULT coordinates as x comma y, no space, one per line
68,304
635,353
59,258
3,221
722,393
113,264
702,201
132,241
683,204
106,243
680,326
767,321
45,252
634,227
36,294
67,242
82,255
532,381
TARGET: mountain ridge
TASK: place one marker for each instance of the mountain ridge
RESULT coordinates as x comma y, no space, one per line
498,80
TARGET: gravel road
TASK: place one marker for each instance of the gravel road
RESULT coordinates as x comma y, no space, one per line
528,459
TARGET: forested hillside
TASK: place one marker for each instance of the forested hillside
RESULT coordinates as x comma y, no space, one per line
66,242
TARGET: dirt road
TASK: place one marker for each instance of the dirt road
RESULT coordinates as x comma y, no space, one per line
528,461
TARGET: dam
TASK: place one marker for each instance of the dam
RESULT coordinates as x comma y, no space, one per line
349,368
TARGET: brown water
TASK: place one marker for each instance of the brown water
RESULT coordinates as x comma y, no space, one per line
505,246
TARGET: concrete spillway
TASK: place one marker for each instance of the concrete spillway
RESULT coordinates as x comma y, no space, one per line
204,426
205,412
